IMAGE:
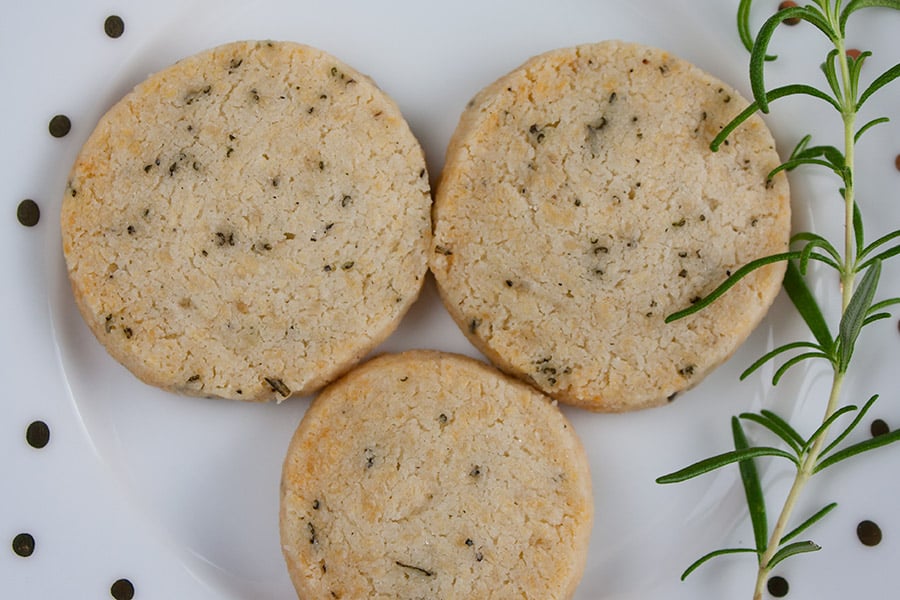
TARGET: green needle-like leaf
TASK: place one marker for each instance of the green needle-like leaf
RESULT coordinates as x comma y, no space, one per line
858,232
831,154
791,550
775,418
792,164
876,317
855,314
820,241
831,73
879,82
826,424
775,428
869,126
729,283
878,243
775,94
721,460
855,65
773,353
758,54
883,304
756,503
743,26
875,442
809,522
806,305
855,5
859,416
880,258
779,373
713,554
807,253
801,145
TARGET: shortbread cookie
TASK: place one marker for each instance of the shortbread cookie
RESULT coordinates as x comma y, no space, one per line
247,223
431,475
580,205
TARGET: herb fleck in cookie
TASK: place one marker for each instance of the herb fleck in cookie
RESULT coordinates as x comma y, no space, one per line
580,205
247,223
430,475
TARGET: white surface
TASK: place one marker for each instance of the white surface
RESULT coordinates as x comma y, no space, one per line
180,495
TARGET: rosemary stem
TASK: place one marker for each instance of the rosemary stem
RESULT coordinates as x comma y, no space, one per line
800,479
848,275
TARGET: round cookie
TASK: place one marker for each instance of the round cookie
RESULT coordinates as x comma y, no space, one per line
247,223
432,475
580,205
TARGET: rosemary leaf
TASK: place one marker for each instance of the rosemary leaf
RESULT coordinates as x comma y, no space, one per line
792,164
806,305
871,444
828,67
855,65
869,125
773,353
791,550
721,460
743,26
855,313
859,416
883,304
758,53
756,503
775,94
878,243
831,154
728,283
807,253
784,424
779,373
809,522
776,428
880,258
855,5
879,82
823,428
858,231
876,317
710,555
817,241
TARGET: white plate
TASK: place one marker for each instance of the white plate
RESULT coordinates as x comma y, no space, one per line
179,496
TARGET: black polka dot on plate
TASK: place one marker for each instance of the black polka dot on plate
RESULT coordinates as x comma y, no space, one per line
869,533
60,125
114,26
122,589
23,544
879,427
778,586
28,213
38,434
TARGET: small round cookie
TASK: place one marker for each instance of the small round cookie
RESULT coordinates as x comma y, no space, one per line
580,205
432,475
247,223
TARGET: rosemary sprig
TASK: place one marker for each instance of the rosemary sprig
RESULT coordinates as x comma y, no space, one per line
859,269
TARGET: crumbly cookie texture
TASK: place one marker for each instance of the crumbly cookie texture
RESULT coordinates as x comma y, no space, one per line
580,205
247,223
431,475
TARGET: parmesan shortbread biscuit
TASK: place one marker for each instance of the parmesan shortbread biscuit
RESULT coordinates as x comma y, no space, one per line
247,223
580,205
431,475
